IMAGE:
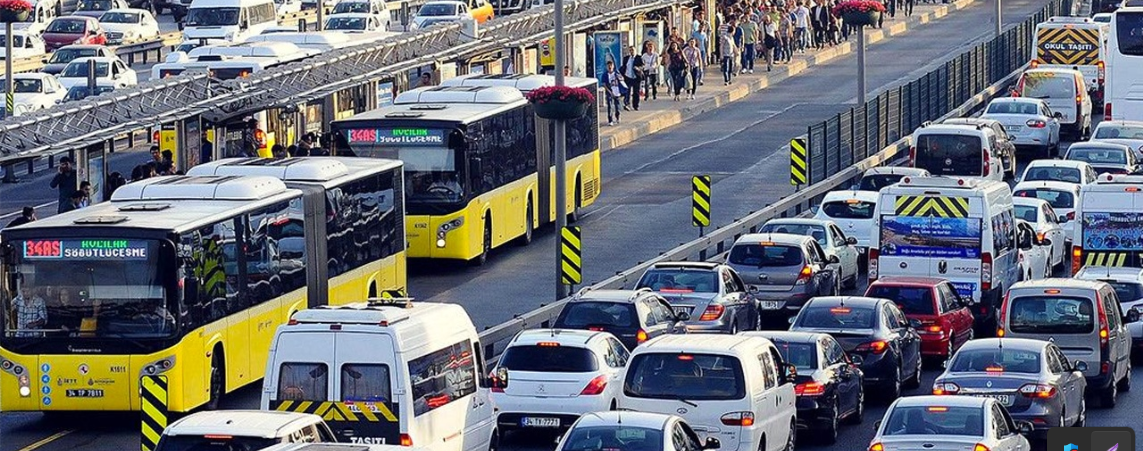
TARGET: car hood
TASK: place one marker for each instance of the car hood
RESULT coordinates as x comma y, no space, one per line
53,68
94,14
419,21
25,97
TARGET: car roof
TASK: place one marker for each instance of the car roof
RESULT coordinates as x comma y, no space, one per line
971,121
788,239
719,344
947,128
897,170
1053,70
1048,184
242,423
912,281
800,221
125,10
443,2
1098,145
626,417
1057,282
351,15
792,336
1028,201
532,337
1053,163
619,296
1120,122
847,301
1023,344
30,75
1116,273
864,196
1018,100
687,265
933,400
98,59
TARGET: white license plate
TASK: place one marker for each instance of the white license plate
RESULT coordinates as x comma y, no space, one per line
679,310
769,305
1006,400
1013,128
540,422
84,393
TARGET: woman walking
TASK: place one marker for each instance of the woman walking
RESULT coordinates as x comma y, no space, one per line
694,58
677,67
650,71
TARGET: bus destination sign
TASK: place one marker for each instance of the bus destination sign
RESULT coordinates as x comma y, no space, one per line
87,249
398,136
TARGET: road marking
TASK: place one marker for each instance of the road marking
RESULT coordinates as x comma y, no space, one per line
48,439
21,210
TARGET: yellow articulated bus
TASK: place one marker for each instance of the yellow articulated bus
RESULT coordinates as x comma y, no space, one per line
186,277
474,156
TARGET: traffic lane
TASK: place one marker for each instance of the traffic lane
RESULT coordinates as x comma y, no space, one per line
645,203
35,190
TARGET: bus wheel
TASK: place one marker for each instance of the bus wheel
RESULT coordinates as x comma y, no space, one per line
217,380
481,259
574,215
529,228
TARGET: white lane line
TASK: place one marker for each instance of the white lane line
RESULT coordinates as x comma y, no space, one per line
21,210
48,439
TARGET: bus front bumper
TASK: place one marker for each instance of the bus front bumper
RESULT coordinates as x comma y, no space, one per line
447,237
81,382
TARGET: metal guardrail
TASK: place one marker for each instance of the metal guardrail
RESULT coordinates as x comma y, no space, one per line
716,243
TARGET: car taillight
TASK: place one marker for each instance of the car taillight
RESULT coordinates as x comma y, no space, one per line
946,388
1102,71
809,389
980,447
1000,316
912,155
1107,111
987,163
712,312
406,440
877,447
876,346
1077,253
738,419
1036,123
872,264
1071,216
1035,64
804,276
641,336
498,381
933,329
985,271
1104,333
596,386
1037,391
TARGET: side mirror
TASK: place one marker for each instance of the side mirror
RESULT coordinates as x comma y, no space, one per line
44,60
1024,427
914,323
856,359
791,320
1044,242
1057,115
789,372
851,241
1080,366
712,443
682,316
814,209
877,425
833,259
1062,219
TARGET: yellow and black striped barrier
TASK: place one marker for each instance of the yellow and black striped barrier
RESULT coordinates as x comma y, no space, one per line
798,161
932,206
372,412
700,201
571,256
10,104
153,391
1105,258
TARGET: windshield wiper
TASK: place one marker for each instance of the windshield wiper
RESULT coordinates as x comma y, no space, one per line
684,401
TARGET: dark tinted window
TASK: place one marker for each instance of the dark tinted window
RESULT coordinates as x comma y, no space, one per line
878,181
1027,213
613,438
1098,155
935,420
911,300
804,356
361,382
506,148
766,255
1071,175
688,376
1057,199
837,317
950,154
1006,360
442,377
1128,291
680,280
303,381
1051,315
216,266
578,315
583,133
200,443
364,222
1129,32
850,209
554,359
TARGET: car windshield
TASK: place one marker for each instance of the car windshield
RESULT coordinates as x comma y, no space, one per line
836,317
1113,131
811,230
849,209
1024,108
613,438
996,360
803,356
911,300
66,26
763,255
65,55
874,182
1058,174
437,9
680,280
580,315
78,69
949,154
1051,315
1127,291
25,85
692,377
1027,212
211,17
345,23
1057,199
1097,156
351,7
1041,85
935,420
81,92
549,358
215,443
118,17
94,5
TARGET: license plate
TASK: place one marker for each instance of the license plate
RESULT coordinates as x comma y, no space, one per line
1006,400
540,422
769,305
686,310
84,393
1013,127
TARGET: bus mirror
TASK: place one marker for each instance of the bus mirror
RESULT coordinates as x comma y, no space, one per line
456,140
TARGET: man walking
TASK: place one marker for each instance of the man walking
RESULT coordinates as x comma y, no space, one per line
820,20
614,86
749,31
633,76
801,26
65,181
728,51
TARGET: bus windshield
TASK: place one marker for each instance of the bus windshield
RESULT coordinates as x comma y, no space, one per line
87,288
432,175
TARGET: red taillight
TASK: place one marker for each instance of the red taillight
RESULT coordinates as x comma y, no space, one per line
596,386
987,166
1041,391
912,155
498,383
738,419
1071,216
804,275
1035,64
1107,111
985,271
406,440
712,312
1077,253
809,389
641,336
1103,331
595,328
1000,316
876,346
1036,123
934,329
292,322
947,388
872,264
1104,367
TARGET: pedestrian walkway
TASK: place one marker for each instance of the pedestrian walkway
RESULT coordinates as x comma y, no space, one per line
657,115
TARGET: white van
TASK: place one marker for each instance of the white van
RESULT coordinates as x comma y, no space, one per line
385,372
43,11
957,150
1065,92
1074,43
734,388
230,20
1108,229
337,447
959,229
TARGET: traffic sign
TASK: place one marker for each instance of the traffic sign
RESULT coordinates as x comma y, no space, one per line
798,161
700,201
153,391
571,256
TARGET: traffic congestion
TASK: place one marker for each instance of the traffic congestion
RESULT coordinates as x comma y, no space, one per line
981,291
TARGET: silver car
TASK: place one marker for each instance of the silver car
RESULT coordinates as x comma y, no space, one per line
1104,157
783,271
1031,378
1029,122
1128,285
712,295
1128,133
827,233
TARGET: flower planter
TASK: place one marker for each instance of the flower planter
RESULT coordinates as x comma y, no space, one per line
859,18
11,16
556,109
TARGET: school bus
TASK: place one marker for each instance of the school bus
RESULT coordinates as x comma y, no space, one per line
185,277
474,157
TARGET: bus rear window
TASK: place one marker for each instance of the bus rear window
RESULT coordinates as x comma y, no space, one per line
1051,315
1129,32
692,377
950,154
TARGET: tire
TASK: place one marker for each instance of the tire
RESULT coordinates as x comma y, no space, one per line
1109,396
837,285
573,217
828,434
1081,421
1125,383
948,358
858,414
852,283
217,381
494,441
892,389
529,228
481,259
793,436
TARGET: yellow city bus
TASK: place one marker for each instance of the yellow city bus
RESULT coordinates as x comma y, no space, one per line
471,156
184,276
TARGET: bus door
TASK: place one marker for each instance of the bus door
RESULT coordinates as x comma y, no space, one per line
545,152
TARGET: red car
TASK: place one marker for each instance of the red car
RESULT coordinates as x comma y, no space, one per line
946,322
67,30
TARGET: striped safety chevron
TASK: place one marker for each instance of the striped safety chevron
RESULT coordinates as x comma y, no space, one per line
1067,46
153,391
571,256
932,206
1105,258
339,411
700,201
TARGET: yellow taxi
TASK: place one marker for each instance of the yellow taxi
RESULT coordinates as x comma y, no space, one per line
481,10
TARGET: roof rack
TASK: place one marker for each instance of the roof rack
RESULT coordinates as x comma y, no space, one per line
402,302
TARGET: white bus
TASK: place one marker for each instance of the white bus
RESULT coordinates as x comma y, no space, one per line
1108,231
1124,90
227,62
231,20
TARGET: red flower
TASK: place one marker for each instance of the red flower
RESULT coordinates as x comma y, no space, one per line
858,6
16,5
561,93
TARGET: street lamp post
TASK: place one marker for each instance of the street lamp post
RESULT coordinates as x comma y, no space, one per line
999,21
861,64
560,151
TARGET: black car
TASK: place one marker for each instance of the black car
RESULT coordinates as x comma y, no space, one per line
874,329
830,385
633,316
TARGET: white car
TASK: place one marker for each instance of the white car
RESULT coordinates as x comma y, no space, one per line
1062,196
635,431
353,22
1034,256
1070,171
1029,122
434,12
1045,222
879,177
853,212
377,8
546,378
284,7
832,239
35,91
951,422
127,25
1128,285
108,71
1128,133
24,45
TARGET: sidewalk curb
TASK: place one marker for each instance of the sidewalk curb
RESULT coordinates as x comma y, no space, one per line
625,133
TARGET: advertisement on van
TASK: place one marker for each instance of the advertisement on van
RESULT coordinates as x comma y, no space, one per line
1113,231
912,236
